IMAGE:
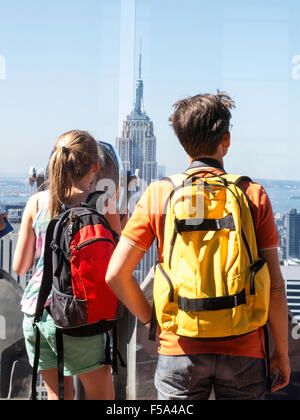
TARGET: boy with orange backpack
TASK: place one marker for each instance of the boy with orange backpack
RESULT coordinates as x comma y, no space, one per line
218,280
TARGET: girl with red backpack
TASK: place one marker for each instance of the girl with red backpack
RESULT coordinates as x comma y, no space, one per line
73,169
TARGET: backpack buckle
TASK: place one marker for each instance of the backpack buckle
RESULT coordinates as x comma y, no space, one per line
54,246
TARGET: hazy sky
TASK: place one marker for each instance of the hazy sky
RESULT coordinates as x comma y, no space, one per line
70,64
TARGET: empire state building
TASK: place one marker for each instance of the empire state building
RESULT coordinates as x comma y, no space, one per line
137,150
137,145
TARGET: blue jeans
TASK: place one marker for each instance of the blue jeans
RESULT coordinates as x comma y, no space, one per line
194,377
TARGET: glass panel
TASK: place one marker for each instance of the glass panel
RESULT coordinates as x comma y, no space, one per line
249,50
59,70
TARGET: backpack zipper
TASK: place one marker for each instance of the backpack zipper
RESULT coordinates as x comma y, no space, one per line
258,265
91,241
247,245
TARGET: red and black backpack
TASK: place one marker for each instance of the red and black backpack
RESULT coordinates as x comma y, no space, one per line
78,246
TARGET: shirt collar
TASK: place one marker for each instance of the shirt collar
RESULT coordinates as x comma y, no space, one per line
206,163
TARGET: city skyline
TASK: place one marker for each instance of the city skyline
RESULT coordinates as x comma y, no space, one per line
59,78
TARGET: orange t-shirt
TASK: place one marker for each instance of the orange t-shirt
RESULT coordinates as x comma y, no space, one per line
146,224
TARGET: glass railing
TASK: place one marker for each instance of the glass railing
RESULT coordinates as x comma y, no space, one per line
136,381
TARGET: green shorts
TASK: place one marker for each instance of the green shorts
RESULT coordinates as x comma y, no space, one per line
81,354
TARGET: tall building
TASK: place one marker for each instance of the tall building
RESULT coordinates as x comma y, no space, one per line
137,145
137,150
293,234
291,275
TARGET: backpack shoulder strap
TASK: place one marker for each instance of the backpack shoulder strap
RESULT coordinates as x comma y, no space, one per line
47,280
236,179
46,283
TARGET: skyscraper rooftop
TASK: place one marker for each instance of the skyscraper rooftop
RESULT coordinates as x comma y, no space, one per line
138,111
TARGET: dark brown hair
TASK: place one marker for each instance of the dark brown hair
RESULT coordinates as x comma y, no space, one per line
74,154
201,121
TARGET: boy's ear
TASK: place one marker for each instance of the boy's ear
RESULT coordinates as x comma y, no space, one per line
226,140
226,143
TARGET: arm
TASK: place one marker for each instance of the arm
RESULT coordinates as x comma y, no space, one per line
113,218
120,279
140,231
278,320
25,249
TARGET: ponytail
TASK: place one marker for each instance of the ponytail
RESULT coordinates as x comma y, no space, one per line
60,183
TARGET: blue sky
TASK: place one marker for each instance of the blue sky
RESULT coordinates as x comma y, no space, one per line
72,64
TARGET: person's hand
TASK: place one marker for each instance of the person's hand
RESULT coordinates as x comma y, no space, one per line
2,222
280,367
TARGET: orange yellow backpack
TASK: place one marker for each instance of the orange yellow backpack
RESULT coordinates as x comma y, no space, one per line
212,283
